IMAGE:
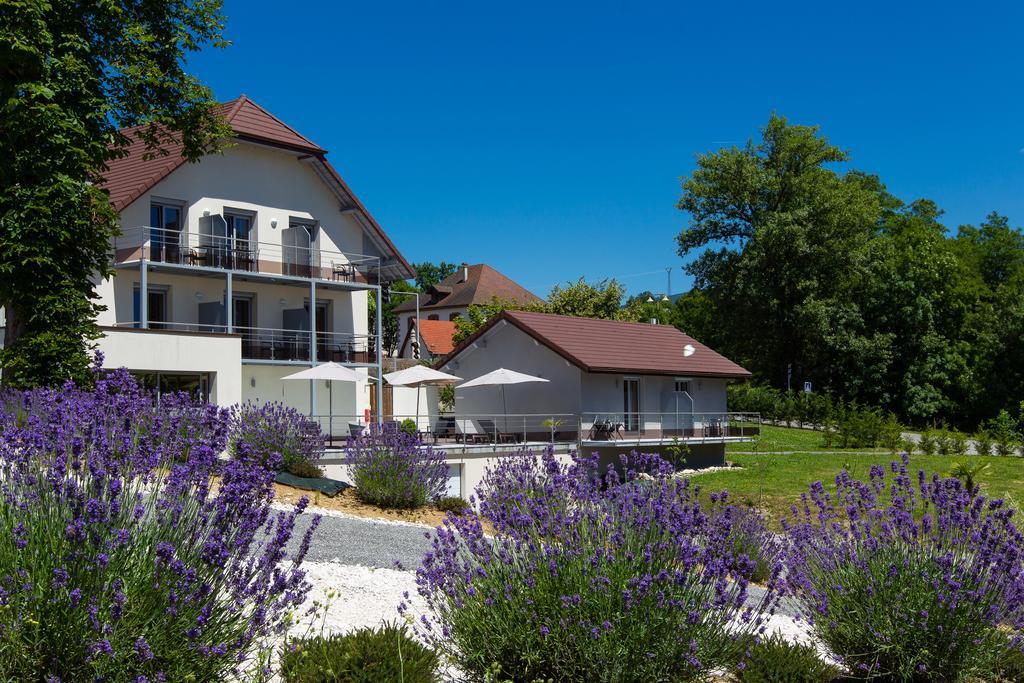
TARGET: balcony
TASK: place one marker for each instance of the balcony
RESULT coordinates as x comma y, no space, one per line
273,345
210,251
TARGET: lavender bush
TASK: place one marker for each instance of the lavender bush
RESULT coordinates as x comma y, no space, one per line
614,578
119,560
391,468
908,581
274,428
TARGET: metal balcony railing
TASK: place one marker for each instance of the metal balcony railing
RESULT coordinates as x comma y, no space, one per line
647,428
273,344
198,250
500,431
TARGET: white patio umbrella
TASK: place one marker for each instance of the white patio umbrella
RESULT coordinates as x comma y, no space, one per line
501,377
419,376
331,372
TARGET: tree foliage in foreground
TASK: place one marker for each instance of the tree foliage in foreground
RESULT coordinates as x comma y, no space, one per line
803,265
71,75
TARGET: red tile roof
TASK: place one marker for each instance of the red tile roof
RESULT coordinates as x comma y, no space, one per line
131,176
482,284
615,346
437,336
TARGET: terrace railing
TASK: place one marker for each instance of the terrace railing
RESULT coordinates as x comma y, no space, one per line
644,428
499,431
183,248
481,431
273,344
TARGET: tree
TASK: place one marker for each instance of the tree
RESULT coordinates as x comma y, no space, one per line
429,274
391,336
781,237
579,299
807,268
73,73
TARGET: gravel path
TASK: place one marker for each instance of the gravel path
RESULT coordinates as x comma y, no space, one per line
377,544
365,542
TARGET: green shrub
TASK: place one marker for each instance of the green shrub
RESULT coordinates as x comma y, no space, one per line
910,446
943,442
369,655
1008,665
1004,433
408,426
928,443
957,443
891,436
775,659
983,442
304,468
452,504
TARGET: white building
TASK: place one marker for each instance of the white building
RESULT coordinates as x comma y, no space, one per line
254,263
612,385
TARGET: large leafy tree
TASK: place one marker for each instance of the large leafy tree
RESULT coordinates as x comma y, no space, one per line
73,74
803,265
779,236
429,274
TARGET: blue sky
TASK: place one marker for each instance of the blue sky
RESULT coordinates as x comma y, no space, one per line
548,139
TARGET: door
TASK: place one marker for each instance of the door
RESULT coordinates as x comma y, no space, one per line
165,233
631,403
242,323
242,250
297,249
156,308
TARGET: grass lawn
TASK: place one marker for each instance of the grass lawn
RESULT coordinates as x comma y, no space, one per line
773,481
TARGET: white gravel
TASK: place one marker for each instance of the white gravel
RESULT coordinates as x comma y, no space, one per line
349,597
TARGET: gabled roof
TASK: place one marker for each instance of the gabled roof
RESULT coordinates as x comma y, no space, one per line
595,345
481,286
129,177
435,335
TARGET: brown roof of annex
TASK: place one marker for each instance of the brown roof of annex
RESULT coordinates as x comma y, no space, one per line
477,284
596,345
129,177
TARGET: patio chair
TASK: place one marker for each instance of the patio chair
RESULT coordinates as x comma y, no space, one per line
341,271
491,429
355,429
444,429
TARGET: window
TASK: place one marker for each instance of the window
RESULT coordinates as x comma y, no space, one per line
682,386
433,316
454,316
239,228
165,232
156,307
196,384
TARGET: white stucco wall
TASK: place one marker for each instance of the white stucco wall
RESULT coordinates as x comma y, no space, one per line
274,184
506,346
219,355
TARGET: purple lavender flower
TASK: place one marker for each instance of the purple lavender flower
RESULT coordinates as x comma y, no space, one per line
590,576
136,545
907,578
392,468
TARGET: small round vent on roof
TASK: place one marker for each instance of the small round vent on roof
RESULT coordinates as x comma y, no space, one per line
688,350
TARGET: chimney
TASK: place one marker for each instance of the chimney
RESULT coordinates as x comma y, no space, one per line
465,272
654,321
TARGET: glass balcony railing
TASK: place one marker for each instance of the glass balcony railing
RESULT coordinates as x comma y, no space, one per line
199,250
